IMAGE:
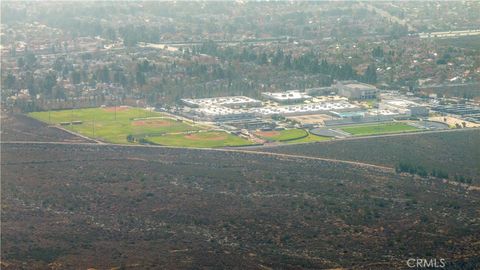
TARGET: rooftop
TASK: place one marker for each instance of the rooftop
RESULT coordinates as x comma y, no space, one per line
360,85
217,110
287,95
229,100
305,108
403,103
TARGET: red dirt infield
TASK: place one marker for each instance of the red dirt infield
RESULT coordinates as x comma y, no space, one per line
267,133
118,109
152,123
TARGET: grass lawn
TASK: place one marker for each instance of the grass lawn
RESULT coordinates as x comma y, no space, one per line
208,139
282,135
374,129
99,114
310,138
113,125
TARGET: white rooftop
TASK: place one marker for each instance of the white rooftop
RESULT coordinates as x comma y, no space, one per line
360,86
400,103
287,95
229,100
381,112
218,110
305,108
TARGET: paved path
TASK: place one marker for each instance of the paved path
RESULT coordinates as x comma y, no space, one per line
380,168
255,150
78,135
274,155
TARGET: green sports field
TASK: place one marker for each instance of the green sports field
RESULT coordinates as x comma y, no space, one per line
204,139
310,138
114,124
282,135
99,114
375,129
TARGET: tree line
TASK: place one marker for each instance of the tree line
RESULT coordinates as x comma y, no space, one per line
308,62
419,170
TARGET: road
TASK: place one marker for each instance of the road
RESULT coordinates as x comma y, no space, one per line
387,15
443,34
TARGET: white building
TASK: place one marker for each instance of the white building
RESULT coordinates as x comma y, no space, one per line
304,109
356,90
231,102
287,97
222,114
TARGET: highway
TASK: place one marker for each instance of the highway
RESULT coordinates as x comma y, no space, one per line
444,34
387,15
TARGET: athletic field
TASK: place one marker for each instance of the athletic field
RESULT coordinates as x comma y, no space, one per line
282,135
309,139
114,124
208,139
375,129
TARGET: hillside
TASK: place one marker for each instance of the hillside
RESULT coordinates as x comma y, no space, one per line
453,152
106,206
18,127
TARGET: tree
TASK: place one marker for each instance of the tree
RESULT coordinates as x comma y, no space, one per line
104,74
58,92
209,47
9,81
262,59
130,36
120,78
144,66
76,77
110,33
20,62
287,63
370,75
59,63
140,78
377,52
30,59
49,82
30,84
